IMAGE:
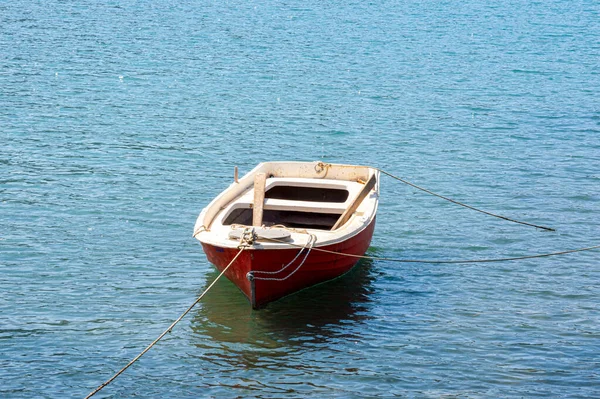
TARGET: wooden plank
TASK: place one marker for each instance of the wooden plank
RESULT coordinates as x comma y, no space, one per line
260,180
357,201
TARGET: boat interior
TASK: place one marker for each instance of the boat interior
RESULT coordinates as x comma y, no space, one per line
297,195
296,203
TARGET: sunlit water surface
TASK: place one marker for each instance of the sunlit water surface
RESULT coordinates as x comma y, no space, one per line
121,120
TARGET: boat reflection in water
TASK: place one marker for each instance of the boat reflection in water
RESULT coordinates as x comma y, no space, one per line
231,331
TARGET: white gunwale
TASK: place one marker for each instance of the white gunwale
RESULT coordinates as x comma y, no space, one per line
210,229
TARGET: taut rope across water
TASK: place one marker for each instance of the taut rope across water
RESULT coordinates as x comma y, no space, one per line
169,328
248,238
569,251
464,205
325,166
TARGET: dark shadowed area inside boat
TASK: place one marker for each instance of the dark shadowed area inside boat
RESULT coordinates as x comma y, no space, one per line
294,219
311,194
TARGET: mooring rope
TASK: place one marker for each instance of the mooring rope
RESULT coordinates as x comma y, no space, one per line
570,251
312,240
309,243
464,205
325,166
168,329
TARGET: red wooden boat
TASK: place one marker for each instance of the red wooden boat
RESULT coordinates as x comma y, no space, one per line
296,219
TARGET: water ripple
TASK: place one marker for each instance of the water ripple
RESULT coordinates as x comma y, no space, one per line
119,123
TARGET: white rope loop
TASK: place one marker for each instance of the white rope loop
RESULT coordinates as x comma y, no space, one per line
308,247
308,243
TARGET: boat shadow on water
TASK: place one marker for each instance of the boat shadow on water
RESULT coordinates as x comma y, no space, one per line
226,323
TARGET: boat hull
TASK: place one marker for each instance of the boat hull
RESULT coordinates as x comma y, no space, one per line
262,288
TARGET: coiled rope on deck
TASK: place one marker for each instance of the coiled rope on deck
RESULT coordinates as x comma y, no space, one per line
242,247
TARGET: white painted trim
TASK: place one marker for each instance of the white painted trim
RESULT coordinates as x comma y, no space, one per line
297,174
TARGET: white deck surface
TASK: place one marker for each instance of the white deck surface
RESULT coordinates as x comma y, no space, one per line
241,195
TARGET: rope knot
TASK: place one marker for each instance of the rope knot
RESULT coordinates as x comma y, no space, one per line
248,237
321,166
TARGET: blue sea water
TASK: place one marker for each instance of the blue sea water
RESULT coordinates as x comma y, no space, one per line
121,120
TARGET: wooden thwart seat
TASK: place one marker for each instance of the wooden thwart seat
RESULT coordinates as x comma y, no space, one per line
357,201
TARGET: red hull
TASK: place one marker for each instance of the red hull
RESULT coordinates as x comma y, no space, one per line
319,267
